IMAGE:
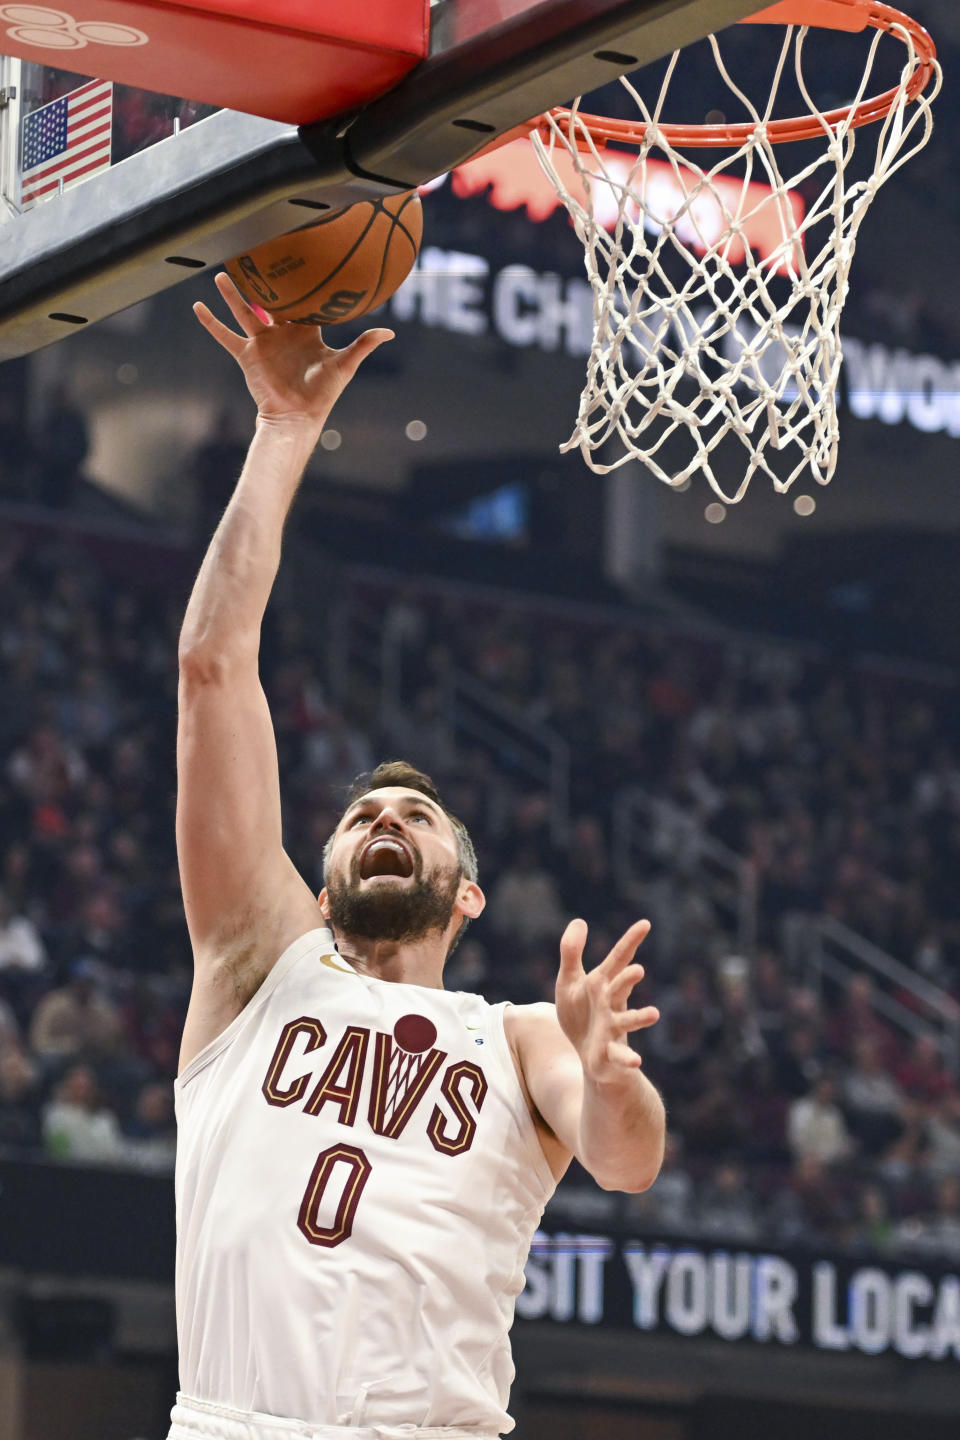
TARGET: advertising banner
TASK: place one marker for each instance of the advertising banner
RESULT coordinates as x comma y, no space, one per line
744,1295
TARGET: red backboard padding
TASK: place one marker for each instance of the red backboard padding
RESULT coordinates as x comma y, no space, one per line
384,24
290,60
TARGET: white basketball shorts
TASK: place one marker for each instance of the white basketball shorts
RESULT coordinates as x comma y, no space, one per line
200,1420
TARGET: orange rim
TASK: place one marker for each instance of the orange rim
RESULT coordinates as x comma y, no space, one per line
822,14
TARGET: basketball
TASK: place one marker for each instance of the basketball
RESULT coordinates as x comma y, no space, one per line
337,268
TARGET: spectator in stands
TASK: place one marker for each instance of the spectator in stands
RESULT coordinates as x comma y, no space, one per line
804,1007
567,709
15,874
77,1020
808,1208
857,1019
19,1101
77,1126
80,869
816,1129
100,929
45,766
688,1026
130,778
9,1028
727,1207
422,727
684,918
21,948
153,1025
938,1231
405,627
872,1229
150,1133
130,866
770,997
765,1113
922,1074
937,786
791,882
524,905
334,748
942,1135
712,1119
902,1167
671,687
872,1101
799,1064
587,884
88,713
738,1030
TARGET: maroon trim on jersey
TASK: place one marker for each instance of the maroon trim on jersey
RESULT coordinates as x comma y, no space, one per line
385,1053
306,1025
462,1139
342,1227
351,1052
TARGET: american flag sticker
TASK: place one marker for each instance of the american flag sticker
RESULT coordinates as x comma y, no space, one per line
67,140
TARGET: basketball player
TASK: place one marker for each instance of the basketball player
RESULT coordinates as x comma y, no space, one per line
363,1157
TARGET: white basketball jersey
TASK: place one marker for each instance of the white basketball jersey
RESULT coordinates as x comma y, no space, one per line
358,1182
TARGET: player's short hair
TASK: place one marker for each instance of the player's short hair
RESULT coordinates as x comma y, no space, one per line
402,773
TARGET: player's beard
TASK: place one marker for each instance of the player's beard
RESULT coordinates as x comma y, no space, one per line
401,912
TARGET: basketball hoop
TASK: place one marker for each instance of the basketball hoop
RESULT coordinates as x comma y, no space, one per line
693,334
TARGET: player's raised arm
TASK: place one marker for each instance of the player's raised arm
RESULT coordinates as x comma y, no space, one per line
237,880
582,1076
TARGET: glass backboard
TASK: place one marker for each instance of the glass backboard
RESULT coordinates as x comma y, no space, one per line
158,187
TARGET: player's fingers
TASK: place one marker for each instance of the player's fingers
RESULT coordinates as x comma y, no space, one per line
620,986
623,952
627,1021
572,941
620,1054
246,317
229,339
350,359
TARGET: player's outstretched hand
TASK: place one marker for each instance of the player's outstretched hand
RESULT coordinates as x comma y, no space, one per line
292,375
592,1007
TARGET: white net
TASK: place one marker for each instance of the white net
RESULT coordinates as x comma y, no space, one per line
718,291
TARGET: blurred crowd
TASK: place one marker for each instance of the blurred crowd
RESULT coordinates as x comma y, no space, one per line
838,782
798,1115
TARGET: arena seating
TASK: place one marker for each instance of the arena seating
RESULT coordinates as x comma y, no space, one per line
837,785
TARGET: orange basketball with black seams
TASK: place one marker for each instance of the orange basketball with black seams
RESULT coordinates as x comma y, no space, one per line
336,268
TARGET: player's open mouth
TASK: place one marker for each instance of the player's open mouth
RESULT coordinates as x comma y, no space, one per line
385,856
